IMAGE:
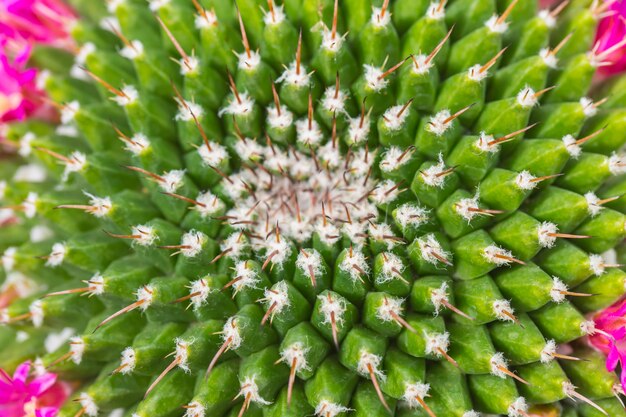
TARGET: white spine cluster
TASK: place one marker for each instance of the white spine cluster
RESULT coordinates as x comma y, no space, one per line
354,258
172,180
527,98
329,409
88,404
332,307
277,298
146,235
296,352
192,243
519,408
546,234
392,268
557,291
431,249
128,361
439,123
503,310
369,360
374,79
57,255
593,204
414,391
433,176
497,255
250,391
439,296
437,343
389,309
201,290
525,181
548,351
36,313
77,349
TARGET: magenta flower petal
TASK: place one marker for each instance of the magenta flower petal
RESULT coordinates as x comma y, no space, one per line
22,395
610,38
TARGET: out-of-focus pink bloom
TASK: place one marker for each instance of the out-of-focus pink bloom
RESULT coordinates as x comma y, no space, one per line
610,336
25,396
545,4
19,97
611,38
41,21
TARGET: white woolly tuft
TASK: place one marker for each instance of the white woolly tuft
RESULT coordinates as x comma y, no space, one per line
25,147
276,17
248,277
333,104
437,124
34,173
369,360
202,291
310,260
526,97
291,76
193,242
327,409
187,110
494,255
572,148
306,136
189,65
214,156
421,65
248,63
475,73
127,361
236,108
525,181
155,5
57,255
182,353
593,206
549,58
435,11
68,111
518,408
471,413
389,309
410,214
277,298
250,390
547,18
378,19
495,26
385,192
8,258
235,244
432,175
589,110
138,144
596,263
372,76
439,296
497,362
95,284
147,235
206,20
77,349
330,44
329,306
88,404
145,294
284,120
545,234
100,206
617,166
355,259
76,162
230,333
558,287
548,351
130,95
483,143
383,233
36,313
414,391
588,327
436,343
195,409
282,249
503,310
172,180
391,269
209,204
133,51
296,351
358,133
391,119
466,207
429,247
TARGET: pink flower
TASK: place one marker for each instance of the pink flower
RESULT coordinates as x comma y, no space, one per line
42,21
19,97
24,396
610,336
611,38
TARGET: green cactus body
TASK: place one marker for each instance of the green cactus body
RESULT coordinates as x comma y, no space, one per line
372,208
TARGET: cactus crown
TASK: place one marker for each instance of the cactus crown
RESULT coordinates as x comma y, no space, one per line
320,207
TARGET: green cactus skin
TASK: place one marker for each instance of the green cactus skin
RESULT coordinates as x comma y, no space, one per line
370,208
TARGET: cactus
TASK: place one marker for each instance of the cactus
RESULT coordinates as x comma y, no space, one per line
370,208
